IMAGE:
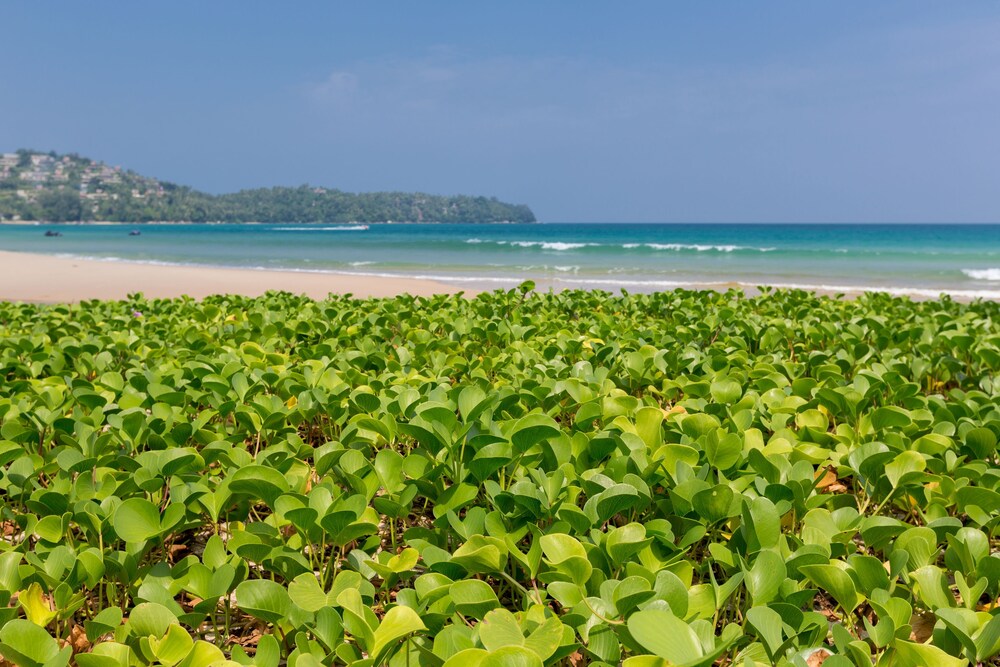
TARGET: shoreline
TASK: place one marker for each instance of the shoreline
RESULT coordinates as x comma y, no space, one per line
40,278
59,278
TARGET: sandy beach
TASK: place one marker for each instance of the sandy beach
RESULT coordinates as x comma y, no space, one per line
50,279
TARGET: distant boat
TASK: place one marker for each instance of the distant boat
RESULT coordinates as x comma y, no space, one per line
135,232
49,232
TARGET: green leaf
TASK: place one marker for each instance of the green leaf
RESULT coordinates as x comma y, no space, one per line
764,578
473,597
987,641
481,554
726,391
532,429
150,619
203,655
714,504
137,520
470,657
649,426
511,656
545,639
906,463
890,417
173,646
500,628
665,635
932,587
769,626
27,645
307,594
614,500
836,582
724,451
265,599
763,523
910,654
259,481
389,468
698,424
398,623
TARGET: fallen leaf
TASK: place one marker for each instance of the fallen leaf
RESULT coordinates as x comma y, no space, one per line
922,625
818,657
828,477
78,639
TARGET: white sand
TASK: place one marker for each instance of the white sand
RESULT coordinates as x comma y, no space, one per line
49,279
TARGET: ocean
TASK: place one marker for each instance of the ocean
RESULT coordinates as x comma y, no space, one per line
914,260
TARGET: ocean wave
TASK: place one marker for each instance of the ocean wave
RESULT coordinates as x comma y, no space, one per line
549,245
992,275
339,228
700,247
361,263
567,245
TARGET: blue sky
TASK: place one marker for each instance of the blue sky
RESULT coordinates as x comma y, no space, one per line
587,111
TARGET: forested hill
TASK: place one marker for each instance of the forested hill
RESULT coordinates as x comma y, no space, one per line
70,188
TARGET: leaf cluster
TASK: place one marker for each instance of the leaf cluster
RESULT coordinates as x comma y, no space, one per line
682,478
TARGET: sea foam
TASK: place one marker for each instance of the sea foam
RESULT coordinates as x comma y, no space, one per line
992,275
677,247
339,228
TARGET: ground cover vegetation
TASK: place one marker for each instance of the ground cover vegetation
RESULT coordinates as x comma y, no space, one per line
512,480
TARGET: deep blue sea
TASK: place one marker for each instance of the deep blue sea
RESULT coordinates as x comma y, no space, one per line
918,260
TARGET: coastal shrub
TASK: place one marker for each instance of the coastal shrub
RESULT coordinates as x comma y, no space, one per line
515,479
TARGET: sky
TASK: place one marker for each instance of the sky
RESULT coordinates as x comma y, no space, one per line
646,111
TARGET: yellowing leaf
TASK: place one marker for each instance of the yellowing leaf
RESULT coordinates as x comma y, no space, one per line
36,607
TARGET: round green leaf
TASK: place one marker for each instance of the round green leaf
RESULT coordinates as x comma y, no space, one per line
265,599
137,520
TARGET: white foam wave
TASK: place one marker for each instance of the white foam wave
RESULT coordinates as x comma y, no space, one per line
564,245
339,228
361,263
700,247
992,275
550,245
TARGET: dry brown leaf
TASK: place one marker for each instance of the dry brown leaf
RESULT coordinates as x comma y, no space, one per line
248,641
826,478
922,625
78,639
828,481
818,657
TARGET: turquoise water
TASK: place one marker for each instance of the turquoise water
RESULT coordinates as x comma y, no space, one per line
920,260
